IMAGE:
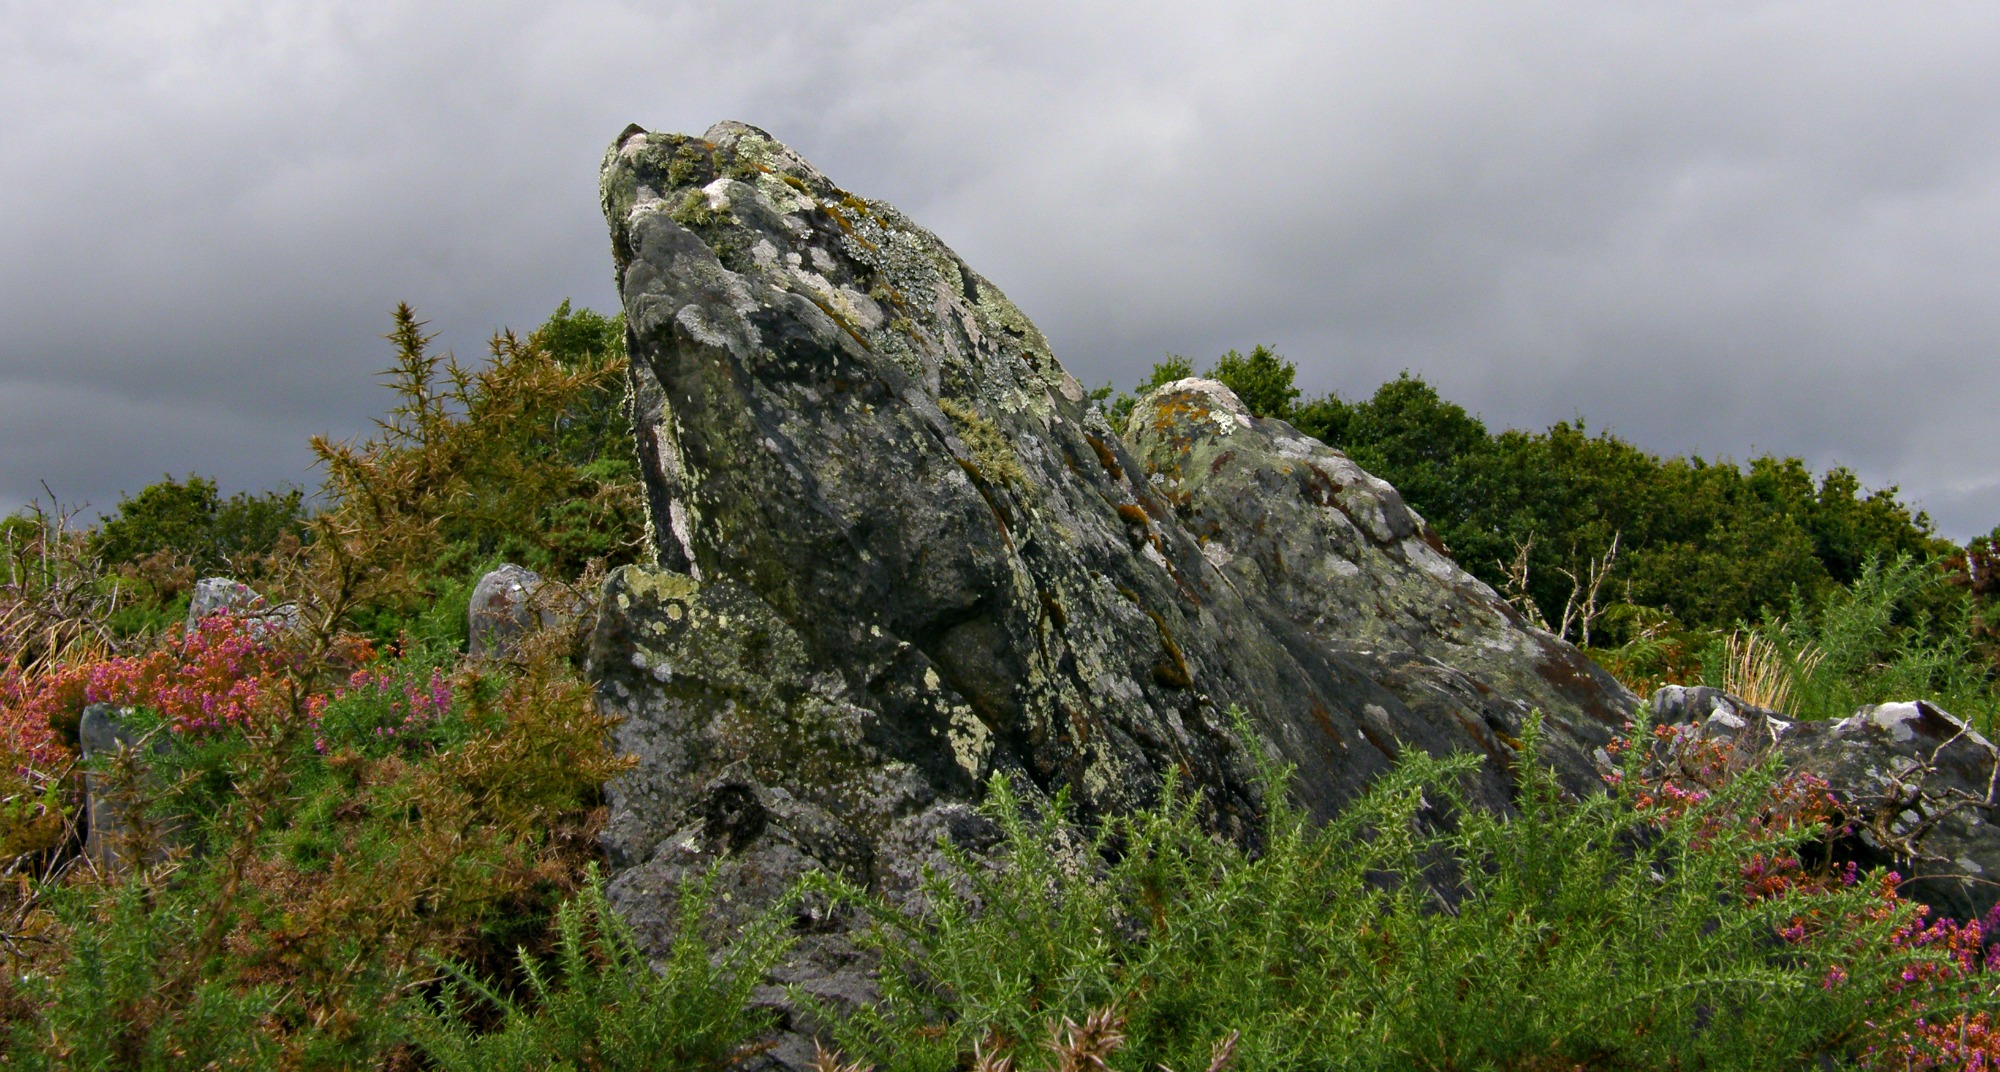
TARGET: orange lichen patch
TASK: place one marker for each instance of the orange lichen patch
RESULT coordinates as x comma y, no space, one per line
838,319
840,220
1105,458
1079,725
1171,671
1053,609
1476,729
1141,522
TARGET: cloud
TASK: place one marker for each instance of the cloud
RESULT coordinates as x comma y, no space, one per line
1720,229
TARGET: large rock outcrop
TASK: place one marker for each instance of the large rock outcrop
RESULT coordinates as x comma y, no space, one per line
899,553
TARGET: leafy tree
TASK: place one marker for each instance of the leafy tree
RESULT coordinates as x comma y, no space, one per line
189,521
172,515
1263,381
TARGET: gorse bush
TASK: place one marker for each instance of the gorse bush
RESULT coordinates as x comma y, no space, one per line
598,1004
472,466
1639,929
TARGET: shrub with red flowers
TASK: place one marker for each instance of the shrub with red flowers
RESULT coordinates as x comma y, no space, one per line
1932,1025
380,707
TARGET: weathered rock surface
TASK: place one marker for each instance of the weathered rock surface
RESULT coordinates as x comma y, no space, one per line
899,554
503,610
112,827
1917,785
1296,526
223,595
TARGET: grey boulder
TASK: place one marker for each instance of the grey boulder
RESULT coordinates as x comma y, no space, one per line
223,595
1916,785
506,606
115,825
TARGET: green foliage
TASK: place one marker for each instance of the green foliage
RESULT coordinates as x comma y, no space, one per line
1262,381
1899,631
527,459
1600,932
189,521
123,1000
598,1004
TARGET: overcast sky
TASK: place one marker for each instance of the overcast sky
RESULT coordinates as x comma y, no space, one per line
1723,229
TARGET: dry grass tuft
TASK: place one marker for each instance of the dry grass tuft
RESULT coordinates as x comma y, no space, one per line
1763,674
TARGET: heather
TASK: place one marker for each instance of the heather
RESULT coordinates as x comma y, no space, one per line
353,847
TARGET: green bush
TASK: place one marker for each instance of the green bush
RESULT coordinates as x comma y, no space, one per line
189,521
598,1004
1413,931
125,1000
1901,631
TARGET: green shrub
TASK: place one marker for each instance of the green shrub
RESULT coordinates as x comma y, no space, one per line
125,999
598,1004
189,521
1901,631
525,459
1413,931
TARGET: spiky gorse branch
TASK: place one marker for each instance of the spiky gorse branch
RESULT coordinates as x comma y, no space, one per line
470,463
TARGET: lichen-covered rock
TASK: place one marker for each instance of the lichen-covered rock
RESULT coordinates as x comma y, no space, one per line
899,553
1916,784
1296,526
223,595
114,822
503,609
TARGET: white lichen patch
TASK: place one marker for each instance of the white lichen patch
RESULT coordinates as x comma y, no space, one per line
1895,718
718,194
1341,567
1421,555
971,743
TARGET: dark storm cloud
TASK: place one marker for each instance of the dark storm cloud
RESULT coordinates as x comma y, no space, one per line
1720,229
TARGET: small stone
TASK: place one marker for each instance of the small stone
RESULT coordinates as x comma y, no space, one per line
503,611
224,595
